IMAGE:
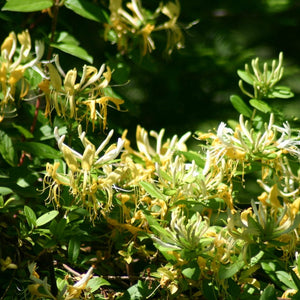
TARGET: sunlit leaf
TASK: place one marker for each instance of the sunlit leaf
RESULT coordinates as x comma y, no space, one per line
241,106
87,10
193,156
5,191
245,76
74,50
152,190
191,271
47,217
39,149
26,133
227,271
286,278
281,92
30,216
268,293
27,5
260,105
95,283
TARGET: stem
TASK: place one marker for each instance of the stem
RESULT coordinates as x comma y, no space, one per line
32,127
253,114
53,28
9,285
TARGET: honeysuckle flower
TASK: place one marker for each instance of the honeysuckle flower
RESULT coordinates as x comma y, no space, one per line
262,81
229,149
287,142
175,36
7,264
134,21
130,22
89,173
74,291
54,181
89,159
69,97
274,190
185,234
168,275
164,151
12,68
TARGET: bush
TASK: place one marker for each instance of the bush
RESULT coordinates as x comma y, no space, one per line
84,214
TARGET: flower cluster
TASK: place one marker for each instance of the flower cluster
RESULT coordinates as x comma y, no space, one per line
135,21
86,99
90,178
13,65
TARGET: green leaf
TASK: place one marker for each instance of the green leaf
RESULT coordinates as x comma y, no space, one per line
227,271
26,133
27,5
268,293
30,216
39,149
139,291
245,76
255,259
95,283
74,50
59,230
270,268
260,105
5,191
73,249
282,92
193,156
192,271
152,190
241,106
47,217
286,279
7,149
87,10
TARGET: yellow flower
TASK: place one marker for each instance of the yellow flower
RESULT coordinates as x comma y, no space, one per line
7,264
134,21
175,36
80,100
83,177
165,150
12,68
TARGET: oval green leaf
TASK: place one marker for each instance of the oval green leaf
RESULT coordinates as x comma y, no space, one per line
7,149
87,10
260,105
227,271
47,217
74,50
95,283
245,76
39,149
241,106
30,216
152,190
268,293
282,92
73,249
27,5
